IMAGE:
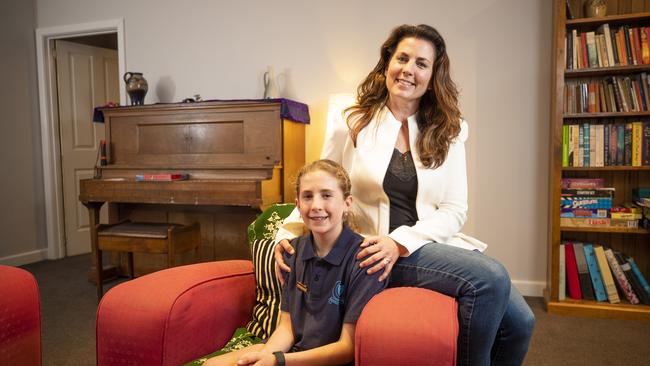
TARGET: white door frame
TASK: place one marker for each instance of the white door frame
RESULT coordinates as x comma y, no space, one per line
49,123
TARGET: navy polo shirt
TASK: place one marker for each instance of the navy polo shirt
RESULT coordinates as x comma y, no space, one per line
321,294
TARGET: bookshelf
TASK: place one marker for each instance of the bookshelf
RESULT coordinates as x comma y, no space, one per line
634,242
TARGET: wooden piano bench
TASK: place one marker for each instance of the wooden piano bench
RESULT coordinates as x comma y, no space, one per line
147,237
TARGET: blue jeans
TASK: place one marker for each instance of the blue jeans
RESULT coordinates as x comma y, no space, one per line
495,323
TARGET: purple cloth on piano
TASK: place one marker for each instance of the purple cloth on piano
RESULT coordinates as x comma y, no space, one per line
289,109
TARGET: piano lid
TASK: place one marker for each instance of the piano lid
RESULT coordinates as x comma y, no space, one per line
231,138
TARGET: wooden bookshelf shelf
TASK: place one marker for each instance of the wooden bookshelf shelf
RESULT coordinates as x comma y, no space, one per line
614,230
599,309
606,168
607,115
633,242
606,71
612,19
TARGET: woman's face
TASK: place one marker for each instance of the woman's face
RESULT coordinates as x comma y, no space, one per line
408,75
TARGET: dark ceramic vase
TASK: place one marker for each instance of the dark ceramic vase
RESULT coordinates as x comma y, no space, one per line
136,86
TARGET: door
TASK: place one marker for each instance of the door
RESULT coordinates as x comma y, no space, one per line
87,77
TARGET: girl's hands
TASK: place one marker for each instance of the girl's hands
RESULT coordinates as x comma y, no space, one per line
280,248
380,252
260,358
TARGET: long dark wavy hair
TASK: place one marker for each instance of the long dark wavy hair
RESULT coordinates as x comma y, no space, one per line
438,117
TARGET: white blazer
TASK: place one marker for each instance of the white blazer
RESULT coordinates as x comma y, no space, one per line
441,201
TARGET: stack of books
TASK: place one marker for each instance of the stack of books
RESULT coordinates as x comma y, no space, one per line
642,199
593,272
587,203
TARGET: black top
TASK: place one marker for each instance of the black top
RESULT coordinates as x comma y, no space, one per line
321,294
401,186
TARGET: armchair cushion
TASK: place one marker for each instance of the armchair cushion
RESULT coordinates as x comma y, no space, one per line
267,288
20,318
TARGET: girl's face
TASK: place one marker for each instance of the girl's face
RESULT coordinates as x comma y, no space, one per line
322,205
409,72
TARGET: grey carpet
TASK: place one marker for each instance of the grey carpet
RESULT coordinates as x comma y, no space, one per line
68,305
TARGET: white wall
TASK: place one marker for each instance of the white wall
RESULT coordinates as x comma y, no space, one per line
22,213
500,53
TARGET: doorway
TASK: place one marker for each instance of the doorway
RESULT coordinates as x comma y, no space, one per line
78,69
86,76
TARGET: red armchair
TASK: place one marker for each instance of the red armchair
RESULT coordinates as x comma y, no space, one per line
179,314
20,318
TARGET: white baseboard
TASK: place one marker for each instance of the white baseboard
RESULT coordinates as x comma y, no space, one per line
25,258
530,288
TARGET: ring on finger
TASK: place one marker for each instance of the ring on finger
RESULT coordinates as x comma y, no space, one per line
386,261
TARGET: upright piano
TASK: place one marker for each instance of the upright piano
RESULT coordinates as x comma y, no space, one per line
241,156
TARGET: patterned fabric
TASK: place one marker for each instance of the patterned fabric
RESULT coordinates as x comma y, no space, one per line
268,222
242,338
267,288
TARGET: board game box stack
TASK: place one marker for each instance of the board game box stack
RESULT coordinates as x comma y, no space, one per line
588,203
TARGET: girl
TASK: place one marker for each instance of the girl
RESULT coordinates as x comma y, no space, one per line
326,289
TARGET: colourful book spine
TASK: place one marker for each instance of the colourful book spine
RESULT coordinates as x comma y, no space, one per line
639,275
562,279
594,271
645,144
608,280
622,281
565,146
586,143
583,272
573,283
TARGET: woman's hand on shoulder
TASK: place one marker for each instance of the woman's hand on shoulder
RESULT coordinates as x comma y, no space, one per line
280,265
379,252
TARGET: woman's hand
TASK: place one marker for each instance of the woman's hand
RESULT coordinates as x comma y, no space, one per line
280,248
382,251
260,358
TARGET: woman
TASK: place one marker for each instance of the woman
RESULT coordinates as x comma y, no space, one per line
403,145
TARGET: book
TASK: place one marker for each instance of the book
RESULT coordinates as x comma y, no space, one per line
583,222
583,272
583,183
622,281
594,272
639,276
161,177
608,280
572,281
562,275
641,192
631,278
596,192
584,213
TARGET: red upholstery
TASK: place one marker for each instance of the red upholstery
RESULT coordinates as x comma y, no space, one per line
407,326
20,318
179,314
175,315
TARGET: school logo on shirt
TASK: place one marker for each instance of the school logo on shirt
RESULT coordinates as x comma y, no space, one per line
337,294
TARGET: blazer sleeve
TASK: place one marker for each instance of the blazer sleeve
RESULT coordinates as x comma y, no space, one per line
336,135
446,220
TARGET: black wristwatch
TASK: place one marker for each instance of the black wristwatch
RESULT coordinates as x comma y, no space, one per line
279,356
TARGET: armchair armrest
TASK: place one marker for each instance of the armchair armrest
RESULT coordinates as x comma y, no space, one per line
175,315
407,326
20,318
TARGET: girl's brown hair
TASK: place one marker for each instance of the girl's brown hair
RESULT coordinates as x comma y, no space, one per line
438,117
